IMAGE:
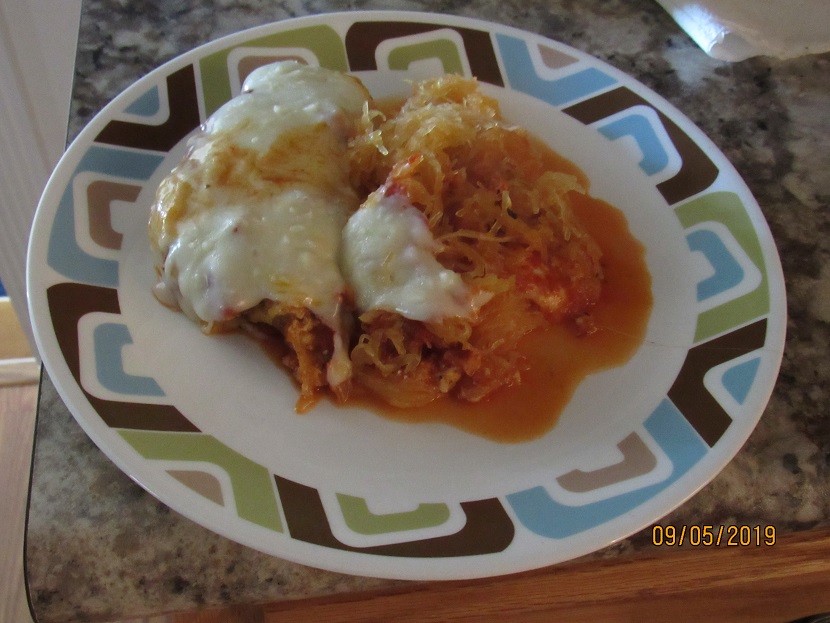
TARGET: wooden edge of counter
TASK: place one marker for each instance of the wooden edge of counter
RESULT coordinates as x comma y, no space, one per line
778,583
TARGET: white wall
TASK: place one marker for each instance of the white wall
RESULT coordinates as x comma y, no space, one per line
38,39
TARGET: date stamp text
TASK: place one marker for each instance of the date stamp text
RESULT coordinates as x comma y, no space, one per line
713,536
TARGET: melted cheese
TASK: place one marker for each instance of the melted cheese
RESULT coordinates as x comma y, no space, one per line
256,209
389,260
283,96
282,248
270,227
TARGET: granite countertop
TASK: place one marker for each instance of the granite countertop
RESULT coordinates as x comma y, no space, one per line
99,546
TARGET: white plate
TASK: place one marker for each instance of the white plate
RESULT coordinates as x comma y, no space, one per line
208,425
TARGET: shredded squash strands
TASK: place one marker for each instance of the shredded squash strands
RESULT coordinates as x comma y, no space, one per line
496,200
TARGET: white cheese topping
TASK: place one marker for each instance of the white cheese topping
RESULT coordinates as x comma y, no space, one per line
253,239
270,228
283,248
283,96
389,260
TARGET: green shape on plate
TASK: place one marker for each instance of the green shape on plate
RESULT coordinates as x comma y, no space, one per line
253,492
726,208
322,41
443,49
361,520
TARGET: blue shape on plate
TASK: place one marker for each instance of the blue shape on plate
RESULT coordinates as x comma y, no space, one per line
64,254
728,272
738,379
2,289
522,76
145,105
540,513
655,158
109,339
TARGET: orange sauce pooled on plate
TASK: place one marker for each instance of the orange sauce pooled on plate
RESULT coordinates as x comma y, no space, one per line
558,359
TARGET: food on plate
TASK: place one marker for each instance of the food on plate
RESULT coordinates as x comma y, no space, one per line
246,229
491,208
402,251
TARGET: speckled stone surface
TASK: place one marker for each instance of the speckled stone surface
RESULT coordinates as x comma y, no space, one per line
98,546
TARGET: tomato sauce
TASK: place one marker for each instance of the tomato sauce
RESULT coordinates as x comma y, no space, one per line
558,360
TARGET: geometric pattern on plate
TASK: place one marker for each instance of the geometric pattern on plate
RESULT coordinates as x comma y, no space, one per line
251,483
541,513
